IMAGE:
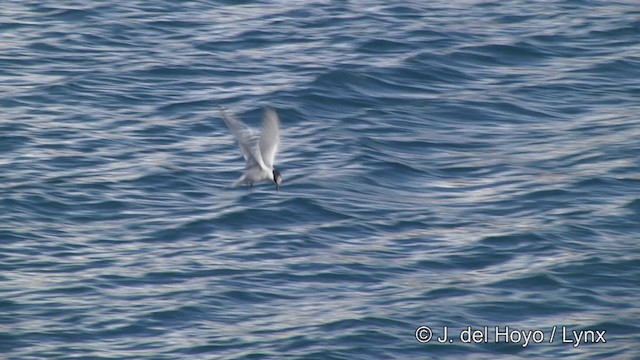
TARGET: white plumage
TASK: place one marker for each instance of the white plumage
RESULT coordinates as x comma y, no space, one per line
259,149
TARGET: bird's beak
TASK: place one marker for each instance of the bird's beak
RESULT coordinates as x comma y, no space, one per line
277,188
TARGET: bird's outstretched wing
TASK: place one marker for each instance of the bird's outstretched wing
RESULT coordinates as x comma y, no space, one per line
270,137
246,138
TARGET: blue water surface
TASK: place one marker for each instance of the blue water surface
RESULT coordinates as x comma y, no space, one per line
447,164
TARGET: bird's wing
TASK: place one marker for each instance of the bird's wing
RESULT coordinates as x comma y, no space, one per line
270,137
246,139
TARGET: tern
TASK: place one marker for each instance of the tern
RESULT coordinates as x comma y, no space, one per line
259,150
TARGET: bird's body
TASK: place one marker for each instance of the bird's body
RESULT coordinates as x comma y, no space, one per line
253,175
259,151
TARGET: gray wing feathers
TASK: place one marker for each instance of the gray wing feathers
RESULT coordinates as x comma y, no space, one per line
270,138
246,138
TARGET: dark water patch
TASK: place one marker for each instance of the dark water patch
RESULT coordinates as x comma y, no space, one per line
45,47
193,229
601,185
624,32
511,311
71,290
169,25
512,19
217,348
432,68
180,106
252,296
615,329
396,170
432,265
383,46
324,101
10,25
13,143
471,57
447,293
634,205
523,110
332,277
536,282
169,72
479,258
510,54
404,10
606,275
551,195
294,210
618,69
69,14
359,323
283,246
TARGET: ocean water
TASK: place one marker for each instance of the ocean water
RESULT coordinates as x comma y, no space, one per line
447,164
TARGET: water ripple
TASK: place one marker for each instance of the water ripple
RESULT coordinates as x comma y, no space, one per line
445,164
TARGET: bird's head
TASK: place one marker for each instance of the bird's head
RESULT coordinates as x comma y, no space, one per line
277,179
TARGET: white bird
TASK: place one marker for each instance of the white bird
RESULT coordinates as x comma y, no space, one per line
259,151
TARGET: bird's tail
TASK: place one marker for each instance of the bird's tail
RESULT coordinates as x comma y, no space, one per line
240,180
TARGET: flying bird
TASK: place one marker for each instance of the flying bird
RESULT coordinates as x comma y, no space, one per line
259,150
